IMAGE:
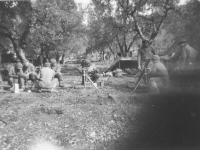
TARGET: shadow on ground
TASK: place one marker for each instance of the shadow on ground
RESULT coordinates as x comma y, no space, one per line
165,122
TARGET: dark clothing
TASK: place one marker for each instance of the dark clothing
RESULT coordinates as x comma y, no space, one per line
57,69
14,72
93,72
32,77
58,76
147,53
94,77
15,75
19,80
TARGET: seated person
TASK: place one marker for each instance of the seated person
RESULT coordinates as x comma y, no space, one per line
29,71
158,76
46,79
92,70
16,75
57,68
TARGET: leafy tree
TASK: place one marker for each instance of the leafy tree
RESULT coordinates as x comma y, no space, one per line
108,30
183,24
16,21
124,21
191,17
56,23
43,27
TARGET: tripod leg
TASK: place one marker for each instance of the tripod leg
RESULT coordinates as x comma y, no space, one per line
142,75
138,82
91,82
84,80
83,77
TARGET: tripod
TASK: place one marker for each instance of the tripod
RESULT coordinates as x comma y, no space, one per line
86,76
143,73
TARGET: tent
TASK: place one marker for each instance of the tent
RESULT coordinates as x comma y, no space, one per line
123,63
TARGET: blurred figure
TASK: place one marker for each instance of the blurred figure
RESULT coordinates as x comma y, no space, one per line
92,70
158,76
144,54
15,74
29,71
188,56
57,68
46,79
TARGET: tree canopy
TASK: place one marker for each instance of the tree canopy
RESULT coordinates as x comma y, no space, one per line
55,28
126,22
45,26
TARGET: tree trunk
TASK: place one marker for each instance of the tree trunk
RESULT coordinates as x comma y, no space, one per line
111,50
41,60
22,55
124,54
17,42
19,52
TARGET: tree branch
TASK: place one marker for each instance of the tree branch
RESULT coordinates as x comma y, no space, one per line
5,28
118,42
26,32
160,24
7,35
2,46
110,48
134,38
137,27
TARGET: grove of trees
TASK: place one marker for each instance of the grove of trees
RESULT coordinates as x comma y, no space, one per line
55,28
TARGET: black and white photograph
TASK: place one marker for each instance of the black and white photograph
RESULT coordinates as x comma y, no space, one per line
99,74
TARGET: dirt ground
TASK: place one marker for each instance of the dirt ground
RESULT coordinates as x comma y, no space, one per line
113,119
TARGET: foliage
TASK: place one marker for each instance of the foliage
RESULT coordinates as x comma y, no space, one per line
191,16
108,30
16,19
183,24
48,27
163,40
57,26
124,22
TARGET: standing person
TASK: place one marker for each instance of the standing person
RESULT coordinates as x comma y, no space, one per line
57,68
15,74
144,54
46,79
158,76
92,70
188,56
